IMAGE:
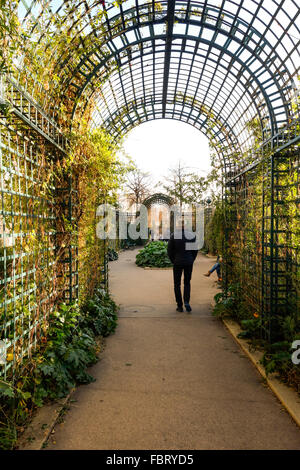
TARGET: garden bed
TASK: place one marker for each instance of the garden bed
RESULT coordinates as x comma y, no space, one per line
71,345
154,256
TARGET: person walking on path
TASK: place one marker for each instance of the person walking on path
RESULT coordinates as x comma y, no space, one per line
182,260
216,267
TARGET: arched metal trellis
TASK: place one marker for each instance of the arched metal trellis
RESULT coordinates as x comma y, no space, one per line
158,198
228,68
214,67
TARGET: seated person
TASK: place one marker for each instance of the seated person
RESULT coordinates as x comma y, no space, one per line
216,267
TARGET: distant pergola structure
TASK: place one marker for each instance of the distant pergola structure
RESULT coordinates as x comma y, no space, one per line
158,198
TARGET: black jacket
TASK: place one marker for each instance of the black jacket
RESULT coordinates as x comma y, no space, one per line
177,250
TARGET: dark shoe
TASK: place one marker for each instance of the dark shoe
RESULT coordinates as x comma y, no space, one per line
179,309
188,307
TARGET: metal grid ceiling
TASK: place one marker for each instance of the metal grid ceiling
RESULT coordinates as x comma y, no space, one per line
214,65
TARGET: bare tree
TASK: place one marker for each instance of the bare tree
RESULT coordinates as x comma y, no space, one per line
184,186
138,186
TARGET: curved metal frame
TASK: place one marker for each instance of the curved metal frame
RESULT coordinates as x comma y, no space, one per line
230,58
158,198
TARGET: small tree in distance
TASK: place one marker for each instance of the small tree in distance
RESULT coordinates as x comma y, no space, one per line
183,186
137,186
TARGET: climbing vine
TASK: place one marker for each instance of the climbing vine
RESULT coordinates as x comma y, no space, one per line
56,194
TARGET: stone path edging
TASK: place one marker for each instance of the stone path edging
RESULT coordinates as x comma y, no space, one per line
38,431
287,396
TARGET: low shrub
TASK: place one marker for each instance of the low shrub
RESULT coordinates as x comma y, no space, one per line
277,358
127,244
154,254
70,347
112,254
227,303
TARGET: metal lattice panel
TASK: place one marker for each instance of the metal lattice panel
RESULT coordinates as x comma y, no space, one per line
27,242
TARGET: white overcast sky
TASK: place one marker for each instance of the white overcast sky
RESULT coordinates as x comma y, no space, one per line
158,145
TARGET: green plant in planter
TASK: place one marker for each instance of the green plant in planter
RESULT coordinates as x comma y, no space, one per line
155,254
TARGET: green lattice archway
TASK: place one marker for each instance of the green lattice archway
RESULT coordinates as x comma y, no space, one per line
214,67
230,70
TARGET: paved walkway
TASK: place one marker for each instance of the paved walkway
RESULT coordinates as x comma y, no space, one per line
170,380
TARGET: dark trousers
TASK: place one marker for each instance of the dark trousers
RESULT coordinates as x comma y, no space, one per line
177,273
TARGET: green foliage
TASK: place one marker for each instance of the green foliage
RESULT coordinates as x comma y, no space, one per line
112,254
251,328
215,230
230,303
70,349
227,304
94,164
183,186
51,373
277,358
128,243
290,327
100,314
6,261
155,254
10,37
